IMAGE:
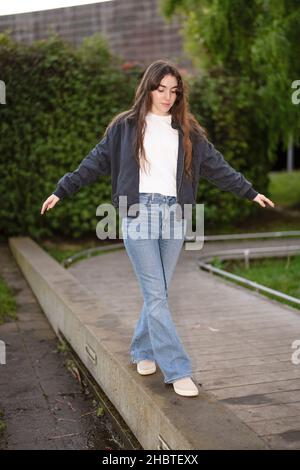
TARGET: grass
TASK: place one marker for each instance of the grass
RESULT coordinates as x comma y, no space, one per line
62,250
62,347
60,253
284,191
285,188
282,274
8,305
2,422
267,220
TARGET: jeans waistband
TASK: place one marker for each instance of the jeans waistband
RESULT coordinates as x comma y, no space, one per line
157,198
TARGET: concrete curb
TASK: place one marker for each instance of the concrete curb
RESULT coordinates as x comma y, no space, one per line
155,414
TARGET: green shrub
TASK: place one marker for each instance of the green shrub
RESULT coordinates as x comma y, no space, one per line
59,100
228,110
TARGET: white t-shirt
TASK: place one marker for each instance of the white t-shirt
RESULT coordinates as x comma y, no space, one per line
161,148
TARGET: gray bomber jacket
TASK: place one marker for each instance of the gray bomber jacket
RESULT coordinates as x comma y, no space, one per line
113,155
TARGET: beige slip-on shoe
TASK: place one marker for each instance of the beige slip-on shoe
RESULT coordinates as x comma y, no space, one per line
146,367
185,387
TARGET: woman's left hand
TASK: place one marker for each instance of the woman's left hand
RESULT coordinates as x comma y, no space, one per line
261,199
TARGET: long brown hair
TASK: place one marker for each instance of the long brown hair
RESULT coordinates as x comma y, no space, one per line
180,112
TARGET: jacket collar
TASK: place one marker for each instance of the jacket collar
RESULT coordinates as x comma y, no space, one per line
176,125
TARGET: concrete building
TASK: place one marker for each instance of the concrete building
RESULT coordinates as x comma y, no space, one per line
135,29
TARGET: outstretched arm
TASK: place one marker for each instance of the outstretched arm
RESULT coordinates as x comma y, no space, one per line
95,164
217,170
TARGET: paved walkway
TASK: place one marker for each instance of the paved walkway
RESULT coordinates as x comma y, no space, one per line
240,342
44,406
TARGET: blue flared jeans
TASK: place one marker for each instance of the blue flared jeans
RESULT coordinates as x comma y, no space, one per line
153,242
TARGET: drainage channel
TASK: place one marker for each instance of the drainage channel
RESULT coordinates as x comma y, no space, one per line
124,438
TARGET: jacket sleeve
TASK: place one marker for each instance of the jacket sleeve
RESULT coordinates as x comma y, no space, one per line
215,169
96,163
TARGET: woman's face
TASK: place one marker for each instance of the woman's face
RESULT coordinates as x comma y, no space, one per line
164,96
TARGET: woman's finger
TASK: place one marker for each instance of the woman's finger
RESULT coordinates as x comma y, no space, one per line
43,208
271,203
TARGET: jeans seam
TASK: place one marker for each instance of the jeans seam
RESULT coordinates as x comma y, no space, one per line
180,377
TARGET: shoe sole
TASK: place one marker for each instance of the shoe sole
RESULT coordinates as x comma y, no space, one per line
146,372
187,394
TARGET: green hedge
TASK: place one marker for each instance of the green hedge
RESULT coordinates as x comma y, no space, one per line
59,100
228,110
58,103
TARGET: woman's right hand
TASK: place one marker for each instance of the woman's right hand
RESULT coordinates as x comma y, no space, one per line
49,203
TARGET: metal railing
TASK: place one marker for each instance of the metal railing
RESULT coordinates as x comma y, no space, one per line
239,236
237,253
89,252
246,254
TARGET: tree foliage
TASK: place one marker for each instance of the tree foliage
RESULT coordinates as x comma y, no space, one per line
256,41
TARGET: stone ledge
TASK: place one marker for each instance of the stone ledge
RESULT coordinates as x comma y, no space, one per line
155,414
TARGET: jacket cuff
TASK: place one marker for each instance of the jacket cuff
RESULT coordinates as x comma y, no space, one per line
60,192
251,194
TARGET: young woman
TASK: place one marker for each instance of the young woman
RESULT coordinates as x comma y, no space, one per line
155,153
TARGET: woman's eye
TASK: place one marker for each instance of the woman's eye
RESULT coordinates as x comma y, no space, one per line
160,91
